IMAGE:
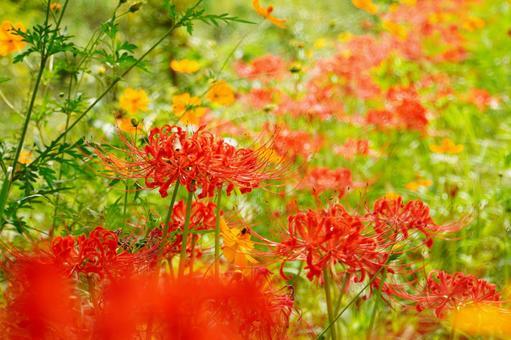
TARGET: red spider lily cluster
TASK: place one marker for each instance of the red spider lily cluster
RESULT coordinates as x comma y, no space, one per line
43,301
319,180
443,292
197,161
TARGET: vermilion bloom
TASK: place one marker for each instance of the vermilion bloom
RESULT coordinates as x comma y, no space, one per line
197,161
40,301
445,291
96,253
265,68
353,147
381,118
325,237
291,144
410,112
320,180
392,214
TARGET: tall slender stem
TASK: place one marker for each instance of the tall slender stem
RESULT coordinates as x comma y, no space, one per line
329,303
218,209
375,307
168,216
186,231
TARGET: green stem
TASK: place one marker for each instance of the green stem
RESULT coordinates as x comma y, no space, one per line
169,215
217,231
375,307
186,231
329,303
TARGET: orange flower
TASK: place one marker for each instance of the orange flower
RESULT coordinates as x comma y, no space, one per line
366,5
126,124
266,13
237,245
188,108
185,66
55,6
420,183
447,146
9,41
221,93
25,157
133,100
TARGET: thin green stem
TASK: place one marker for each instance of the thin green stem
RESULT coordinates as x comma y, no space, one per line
168,216
217,231
375,307
329,303
186,231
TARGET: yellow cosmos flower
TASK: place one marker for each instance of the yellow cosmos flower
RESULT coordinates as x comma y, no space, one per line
237,245
221,93
126,124
185,66
134,101
345,37
9,41
366,5
25,157
408,2
188,108
421,183
486,320
391,195
397,30
266,13
446,146
472,24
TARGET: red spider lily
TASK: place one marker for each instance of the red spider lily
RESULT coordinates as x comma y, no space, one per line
40,301
43,302
445,291
381,119
196,161
324,237
353,147
320,180
96,253
391,214
264,68
410,112
292,144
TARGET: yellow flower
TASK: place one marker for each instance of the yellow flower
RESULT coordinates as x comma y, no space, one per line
345,37
126,124
25,157
397,30
221,93
391,195
266,13
366,5
482,319
447,146
420,183
55,6
185,66
237,245
473,23
187,108
408,2
9,41
133,100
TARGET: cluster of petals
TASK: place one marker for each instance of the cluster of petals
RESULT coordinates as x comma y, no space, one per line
325,237
292,144
319,180
43,302
443,292
200,160
96,253
265,68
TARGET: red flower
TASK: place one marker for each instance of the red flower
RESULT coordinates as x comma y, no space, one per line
292,144
353,147
320,180
263,68
394,216
444,291
324,237
96,253
196,161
